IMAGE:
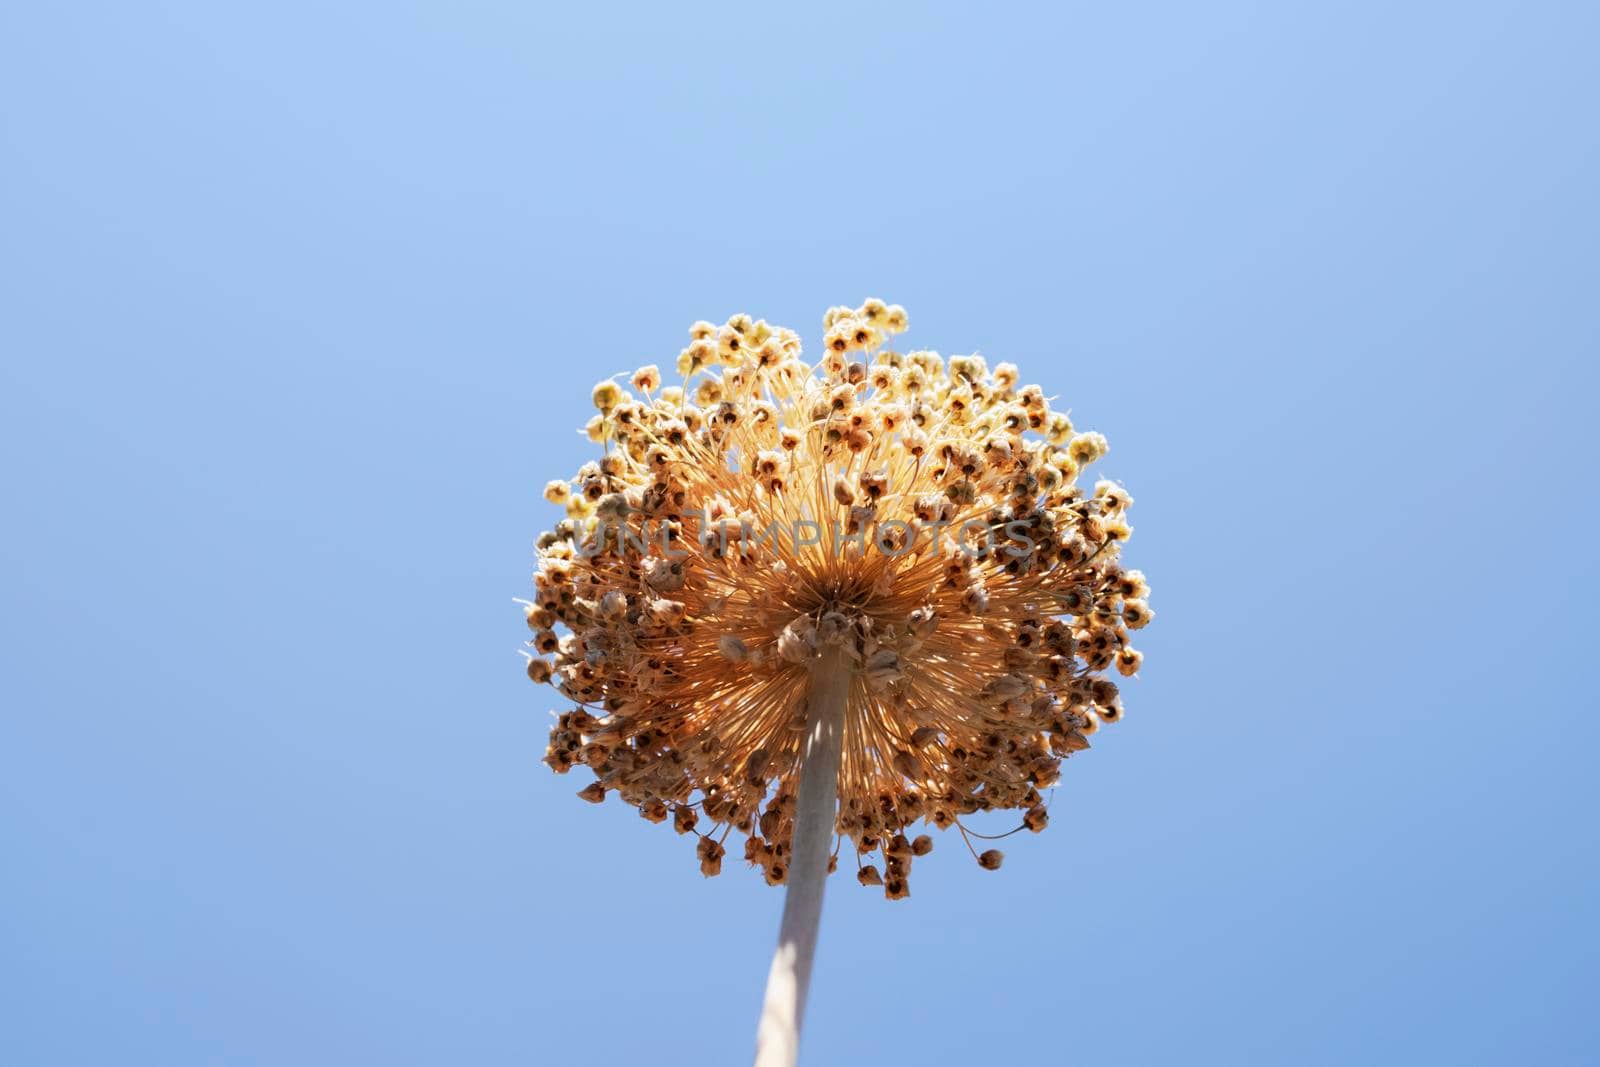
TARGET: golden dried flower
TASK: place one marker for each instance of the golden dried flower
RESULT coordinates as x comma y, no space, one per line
917,520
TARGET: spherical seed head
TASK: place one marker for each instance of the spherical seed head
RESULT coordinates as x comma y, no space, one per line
922,519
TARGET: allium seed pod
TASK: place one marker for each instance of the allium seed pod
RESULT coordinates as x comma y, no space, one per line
918,521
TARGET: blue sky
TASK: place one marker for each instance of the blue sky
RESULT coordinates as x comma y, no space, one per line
302,303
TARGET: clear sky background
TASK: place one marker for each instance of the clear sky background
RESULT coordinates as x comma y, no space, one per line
300,305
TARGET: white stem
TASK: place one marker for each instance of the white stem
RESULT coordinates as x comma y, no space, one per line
778,1036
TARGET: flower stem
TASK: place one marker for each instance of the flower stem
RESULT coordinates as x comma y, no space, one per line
778,1036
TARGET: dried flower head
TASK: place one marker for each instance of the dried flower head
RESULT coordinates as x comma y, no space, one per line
920,517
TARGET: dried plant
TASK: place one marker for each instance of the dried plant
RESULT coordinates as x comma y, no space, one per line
805,601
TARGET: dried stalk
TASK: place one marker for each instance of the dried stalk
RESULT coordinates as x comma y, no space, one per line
778,1036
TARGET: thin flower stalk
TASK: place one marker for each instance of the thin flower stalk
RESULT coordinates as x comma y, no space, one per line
789,980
